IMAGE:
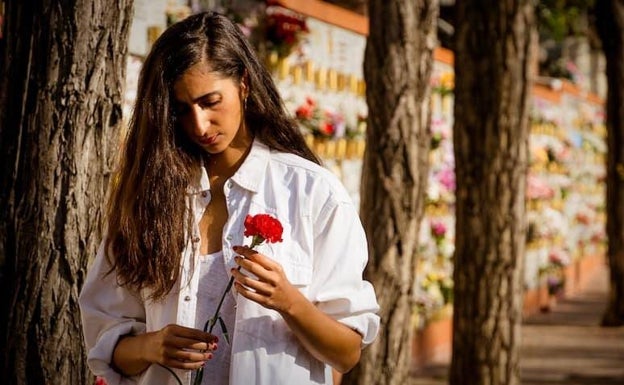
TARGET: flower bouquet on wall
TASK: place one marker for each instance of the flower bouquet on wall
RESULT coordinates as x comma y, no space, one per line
285,30
553,274
443,84
320,122
434,297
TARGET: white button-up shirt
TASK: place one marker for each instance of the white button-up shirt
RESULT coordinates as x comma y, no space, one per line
323,253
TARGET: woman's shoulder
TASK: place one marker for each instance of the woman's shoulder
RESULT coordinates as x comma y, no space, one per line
297,162
296,166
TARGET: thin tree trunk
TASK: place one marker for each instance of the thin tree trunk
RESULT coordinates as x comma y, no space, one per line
397,68
62,71
494,62
610,26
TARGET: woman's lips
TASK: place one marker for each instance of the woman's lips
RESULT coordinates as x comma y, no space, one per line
206,140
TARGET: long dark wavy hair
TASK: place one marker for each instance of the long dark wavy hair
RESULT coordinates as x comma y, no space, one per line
148,221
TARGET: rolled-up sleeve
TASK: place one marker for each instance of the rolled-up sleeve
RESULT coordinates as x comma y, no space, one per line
108,311
341,253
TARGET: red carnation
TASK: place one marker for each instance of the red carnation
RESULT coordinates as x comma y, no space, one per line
263,227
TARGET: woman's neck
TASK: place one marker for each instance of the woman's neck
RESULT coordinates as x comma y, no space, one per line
224,164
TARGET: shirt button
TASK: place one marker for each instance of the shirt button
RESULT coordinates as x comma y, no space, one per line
204,194
195,240
229,184
187,298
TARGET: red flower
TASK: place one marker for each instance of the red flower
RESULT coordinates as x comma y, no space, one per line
305,112
284,29
263,227
327,129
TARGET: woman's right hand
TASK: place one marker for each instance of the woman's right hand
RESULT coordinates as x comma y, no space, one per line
173,346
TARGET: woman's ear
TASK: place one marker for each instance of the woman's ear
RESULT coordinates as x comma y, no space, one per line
244,90
244,85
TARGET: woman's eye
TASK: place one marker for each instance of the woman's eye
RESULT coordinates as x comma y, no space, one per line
208,103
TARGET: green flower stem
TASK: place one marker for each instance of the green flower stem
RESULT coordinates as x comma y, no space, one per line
209,325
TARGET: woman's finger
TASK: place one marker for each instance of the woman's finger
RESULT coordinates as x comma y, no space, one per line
261,259
173,331
252,267
191,344
259,286
253,296
188,355
177,364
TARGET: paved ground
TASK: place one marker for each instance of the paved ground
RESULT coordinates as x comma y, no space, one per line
565,346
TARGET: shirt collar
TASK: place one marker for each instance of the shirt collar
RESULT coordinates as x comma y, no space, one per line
203,184
251,172
248,176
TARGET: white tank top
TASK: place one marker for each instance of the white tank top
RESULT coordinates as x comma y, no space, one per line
213,279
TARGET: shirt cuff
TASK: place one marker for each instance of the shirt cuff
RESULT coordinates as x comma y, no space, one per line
100,357
366,324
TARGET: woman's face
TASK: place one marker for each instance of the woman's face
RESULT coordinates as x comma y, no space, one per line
208,107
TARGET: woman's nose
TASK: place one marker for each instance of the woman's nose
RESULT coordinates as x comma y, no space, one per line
200,121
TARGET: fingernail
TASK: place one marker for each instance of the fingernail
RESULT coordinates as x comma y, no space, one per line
209,356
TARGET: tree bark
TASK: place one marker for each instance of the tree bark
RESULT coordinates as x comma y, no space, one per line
494,64
610,26
62,71
397,69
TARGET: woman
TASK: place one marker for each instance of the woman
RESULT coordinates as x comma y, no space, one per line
209,143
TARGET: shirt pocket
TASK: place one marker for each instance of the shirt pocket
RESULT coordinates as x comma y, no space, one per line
296,265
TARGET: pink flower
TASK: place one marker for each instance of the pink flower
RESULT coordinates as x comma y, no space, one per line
438,230
446,177
558,257
537,188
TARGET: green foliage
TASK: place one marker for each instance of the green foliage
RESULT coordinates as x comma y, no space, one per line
559,19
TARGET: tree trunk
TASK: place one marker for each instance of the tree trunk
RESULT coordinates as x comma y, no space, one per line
62,73
610,26
397,69
494,63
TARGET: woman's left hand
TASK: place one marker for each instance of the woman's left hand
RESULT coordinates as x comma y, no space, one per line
271,289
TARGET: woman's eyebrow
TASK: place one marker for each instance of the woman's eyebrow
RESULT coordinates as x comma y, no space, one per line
204,96
199,98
